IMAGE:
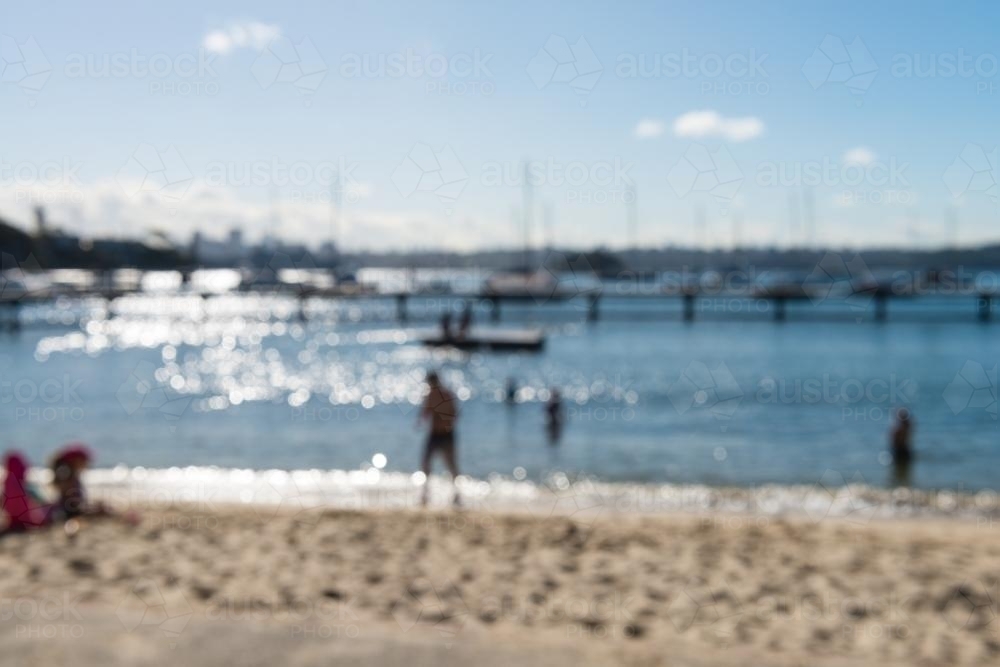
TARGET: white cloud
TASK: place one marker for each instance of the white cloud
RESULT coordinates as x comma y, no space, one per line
247,34
860,155
703,124
648,128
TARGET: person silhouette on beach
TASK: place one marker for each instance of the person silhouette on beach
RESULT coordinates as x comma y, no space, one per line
441,409
68,465
554,417
23,506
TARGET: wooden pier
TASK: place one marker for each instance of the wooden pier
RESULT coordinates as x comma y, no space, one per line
873,300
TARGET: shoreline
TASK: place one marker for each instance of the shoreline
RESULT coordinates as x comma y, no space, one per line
833,496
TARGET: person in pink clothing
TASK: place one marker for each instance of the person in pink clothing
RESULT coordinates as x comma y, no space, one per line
23,507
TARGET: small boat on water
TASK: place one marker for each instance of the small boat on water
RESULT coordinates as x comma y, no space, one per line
531,340
537,285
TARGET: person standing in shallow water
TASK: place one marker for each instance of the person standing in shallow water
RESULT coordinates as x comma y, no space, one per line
901,439
901,447
446,326
466,322
554,417
441,410
510,392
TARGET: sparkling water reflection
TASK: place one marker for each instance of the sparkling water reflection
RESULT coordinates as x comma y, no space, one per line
242,380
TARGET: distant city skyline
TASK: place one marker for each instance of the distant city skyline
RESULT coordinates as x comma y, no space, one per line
382,126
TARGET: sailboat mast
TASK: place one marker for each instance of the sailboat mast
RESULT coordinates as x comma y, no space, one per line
527,203
632,230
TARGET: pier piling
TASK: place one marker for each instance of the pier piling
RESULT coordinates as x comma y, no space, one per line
881,307
985,307
401,313
689,307
592,311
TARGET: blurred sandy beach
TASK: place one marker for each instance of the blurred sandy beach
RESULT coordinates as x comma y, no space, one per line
240,585
395,332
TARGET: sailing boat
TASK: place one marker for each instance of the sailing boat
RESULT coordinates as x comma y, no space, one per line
523,283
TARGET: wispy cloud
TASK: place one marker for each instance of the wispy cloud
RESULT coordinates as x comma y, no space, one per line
649,128
706,124
239,35
860,155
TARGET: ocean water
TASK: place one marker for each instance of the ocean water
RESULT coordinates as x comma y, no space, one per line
733,400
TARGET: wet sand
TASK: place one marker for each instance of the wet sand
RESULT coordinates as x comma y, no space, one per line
261,586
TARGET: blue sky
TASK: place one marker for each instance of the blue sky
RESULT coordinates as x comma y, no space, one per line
433,155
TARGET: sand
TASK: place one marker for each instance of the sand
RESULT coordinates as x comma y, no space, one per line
245,586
